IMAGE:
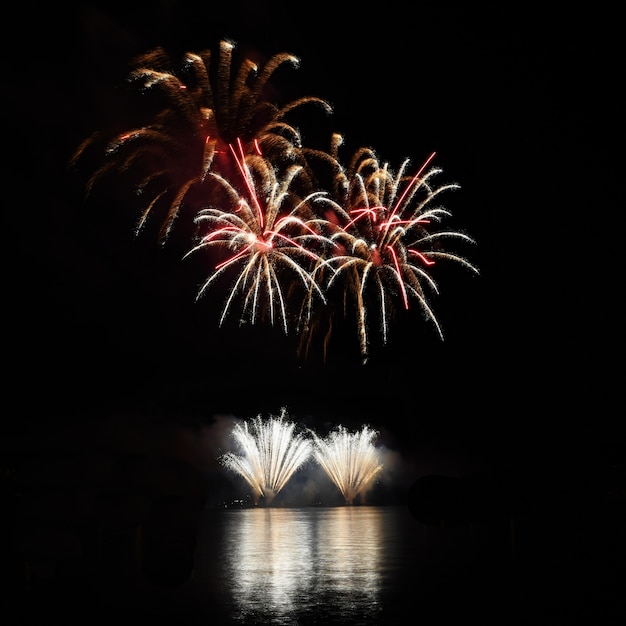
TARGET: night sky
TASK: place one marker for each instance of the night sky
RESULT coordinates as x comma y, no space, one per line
116,379
521,107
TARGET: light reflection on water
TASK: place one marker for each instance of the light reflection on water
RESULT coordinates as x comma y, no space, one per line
280,559
310,564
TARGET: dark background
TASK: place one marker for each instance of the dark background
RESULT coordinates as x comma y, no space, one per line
105,348
521,106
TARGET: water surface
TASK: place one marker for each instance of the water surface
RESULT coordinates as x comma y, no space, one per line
326,565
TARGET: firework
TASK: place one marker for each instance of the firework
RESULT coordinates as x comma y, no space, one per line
272,453
385,242
350,460
295,235
269,234
196,112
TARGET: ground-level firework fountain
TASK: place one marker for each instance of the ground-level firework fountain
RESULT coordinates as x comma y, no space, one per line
272,453
350,460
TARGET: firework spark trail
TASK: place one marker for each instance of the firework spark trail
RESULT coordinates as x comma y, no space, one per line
214,150
264,238
201,110
383,233
350,460
272,453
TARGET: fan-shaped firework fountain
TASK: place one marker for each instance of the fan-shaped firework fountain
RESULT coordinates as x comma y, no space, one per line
272,453
350,460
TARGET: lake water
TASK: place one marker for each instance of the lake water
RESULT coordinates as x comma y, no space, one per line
351,565
330,565
335,565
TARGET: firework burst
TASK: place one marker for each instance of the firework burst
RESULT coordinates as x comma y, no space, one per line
350,460
198,110
301,237
268,235
271,453
384,243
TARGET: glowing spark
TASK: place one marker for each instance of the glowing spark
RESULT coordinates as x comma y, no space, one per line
350,460
270,243
384,241
194,114
271,454
213,151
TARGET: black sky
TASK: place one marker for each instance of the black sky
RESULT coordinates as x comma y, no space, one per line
523,110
